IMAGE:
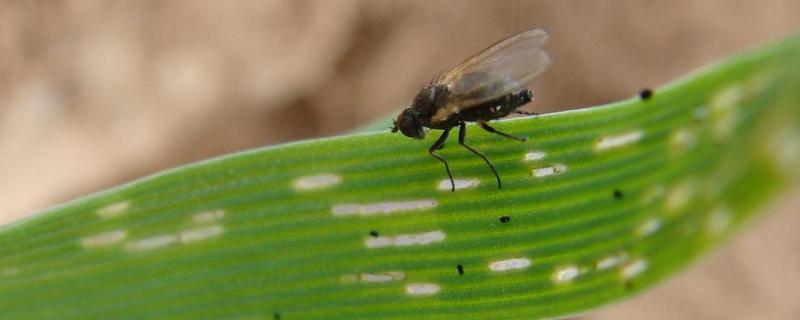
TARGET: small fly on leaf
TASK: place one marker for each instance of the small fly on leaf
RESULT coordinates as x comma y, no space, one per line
487,86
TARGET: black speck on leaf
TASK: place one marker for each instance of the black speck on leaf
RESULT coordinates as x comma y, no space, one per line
645,94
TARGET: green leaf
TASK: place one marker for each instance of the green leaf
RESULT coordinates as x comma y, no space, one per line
598,205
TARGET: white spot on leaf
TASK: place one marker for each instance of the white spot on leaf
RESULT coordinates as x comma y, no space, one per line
459,184
565,274
679,196
209,216
104,239
616,141
781,144
534,155
723,110
383,277
381,208
114,210
634,268
151,243
196,234
10,271
786,152
649,227
727,98
549,171
611,261
719,220
422,289
682,140
316,182
406,239
510,264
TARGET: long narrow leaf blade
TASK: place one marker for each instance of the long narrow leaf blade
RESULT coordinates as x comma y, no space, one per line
598,205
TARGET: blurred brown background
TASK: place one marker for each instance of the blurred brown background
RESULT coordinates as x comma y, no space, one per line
95,93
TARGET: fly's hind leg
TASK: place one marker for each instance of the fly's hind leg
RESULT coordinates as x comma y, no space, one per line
438,145
527,113
488,128
462,136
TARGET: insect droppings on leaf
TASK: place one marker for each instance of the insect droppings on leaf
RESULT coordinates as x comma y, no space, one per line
618,194
374,233
460,269
505,219
645,94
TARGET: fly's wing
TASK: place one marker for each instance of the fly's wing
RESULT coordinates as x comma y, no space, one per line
500,69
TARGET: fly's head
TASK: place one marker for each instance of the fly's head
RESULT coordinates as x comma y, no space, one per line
411,122
408,124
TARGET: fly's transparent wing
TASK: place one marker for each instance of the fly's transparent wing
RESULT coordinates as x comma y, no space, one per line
500,69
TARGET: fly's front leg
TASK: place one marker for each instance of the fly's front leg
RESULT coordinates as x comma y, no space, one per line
438,145
488,128
462,137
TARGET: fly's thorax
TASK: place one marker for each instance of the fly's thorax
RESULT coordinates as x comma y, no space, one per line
425,97
429,98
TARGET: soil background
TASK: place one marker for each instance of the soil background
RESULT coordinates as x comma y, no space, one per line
96,93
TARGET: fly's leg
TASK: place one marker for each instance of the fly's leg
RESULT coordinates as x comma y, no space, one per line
527,113
488,128
462,136
438,145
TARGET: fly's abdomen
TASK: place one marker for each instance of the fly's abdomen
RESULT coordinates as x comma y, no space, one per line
495,108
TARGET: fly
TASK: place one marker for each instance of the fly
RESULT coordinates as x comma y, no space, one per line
489,85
